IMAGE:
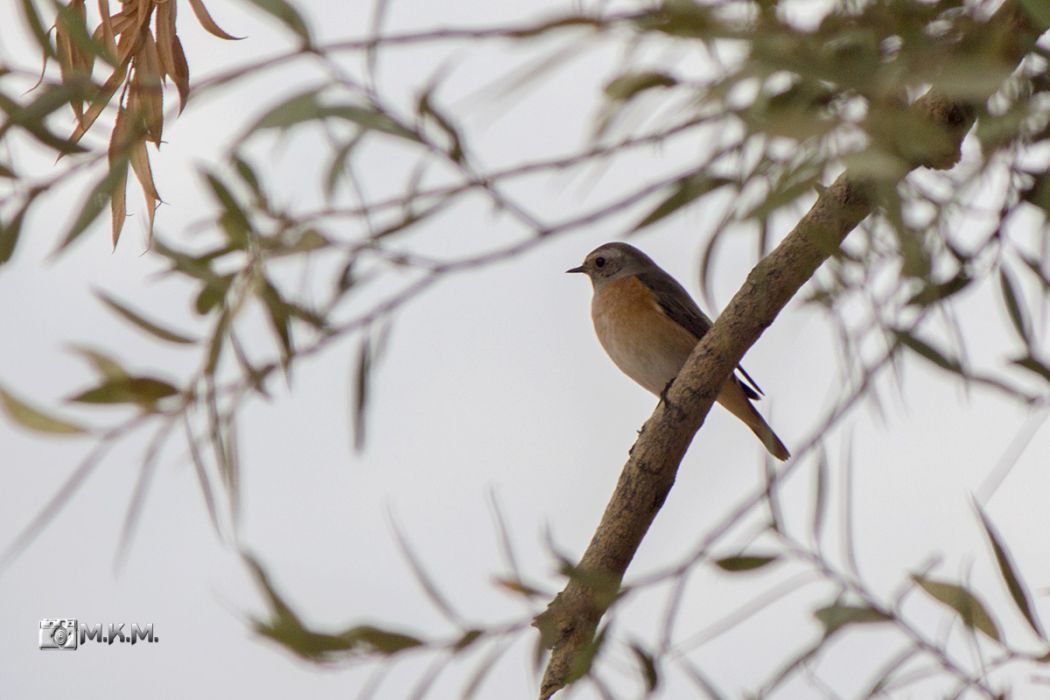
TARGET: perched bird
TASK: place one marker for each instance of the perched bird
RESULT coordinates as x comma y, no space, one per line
649,325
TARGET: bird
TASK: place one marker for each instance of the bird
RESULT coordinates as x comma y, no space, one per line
649,325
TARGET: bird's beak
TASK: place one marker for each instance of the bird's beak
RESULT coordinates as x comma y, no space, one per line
575,269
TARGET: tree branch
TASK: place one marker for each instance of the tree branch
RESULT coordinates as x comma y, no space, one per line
569,623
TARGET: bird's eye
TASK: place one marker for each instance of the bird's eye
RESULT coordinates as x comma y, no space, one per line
599,262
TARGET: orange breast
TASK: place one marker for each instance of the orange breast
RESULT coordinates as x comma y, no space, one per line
640,338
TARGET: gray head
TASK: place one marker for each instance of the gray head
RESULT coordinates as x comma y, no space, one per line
612,261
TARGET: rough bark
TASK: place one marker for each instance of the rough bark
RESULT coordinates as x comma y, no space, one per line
569,623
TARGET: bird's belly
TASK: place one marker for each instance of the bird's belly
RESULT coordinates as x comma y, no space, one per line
644,343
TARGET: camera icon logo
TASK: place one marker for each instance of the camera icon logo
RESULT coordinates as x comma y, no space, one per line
58,634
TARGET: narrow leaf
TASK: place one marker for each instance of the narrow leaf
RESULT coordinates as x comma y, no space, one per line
369,119
207,22
307,106
33,418
745,562
144,391
93,205
648,667
287,15
379,640
626,86
144,174
36,27
11,230
1018,591
287,629
970,610
1033,365
234,220
106,367
426,107
933,293
362,381
835,617
294,110
686,190
929,352
280,316
1014,307
146,325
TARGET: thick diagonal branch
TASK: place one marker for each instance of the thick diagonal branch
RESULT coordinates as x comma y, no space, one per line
570,621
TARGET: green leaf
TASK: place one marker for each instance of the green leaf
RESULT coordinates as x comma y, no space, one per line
286,628
145,391
1013,306
426,108
211,295
94,203
233,219
686,191
933,293
648,666
1018,591
791,185
362,382
338,165
626,86
929,352
11,230
280,315
970,610
835,617
247,173
148,326
36,27
379,640
288,16
468,639
685,19
369,119
106,367
745,562
33,418
1033,365
307,106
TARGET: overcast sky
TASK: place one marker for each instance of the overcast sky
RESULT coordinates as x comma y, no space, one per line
493,384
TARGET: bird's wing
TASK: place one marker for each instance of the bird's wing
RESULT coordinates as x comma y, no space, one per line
681,309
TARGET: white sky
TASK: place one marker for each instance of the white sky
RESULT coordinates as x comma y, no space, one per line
493,383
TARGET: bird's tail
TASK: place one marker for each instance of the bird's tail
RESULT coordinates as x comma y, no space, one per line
735,400
769,438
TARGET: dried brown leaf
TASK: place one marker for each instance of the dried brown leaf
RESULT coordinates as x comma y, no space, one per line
101,100
120,143
146,98
144,175
207,22
117,204
181,77
74,63
109,37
